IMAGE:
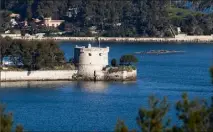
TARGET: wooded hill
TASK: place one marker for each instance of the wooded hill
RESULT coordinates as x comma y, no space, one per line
115,18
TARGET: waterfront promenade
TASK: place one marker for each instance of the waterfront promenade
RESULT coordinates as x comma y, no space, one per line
205,39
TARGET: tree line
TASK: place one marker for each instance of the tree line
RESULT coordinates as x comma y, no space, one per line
194,115
31,55
112,18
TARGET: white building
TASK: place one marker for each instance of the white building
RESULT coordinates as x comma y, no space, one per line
52,23
90,60
13,36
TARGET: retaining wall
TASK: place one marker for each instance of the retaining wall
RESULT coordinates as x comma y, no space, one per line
55,75
201,38
37,75
122,75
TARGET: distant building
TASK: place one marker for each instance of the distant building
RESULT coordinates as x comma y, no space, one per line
52,23
72,12
93,30
36,20
13,15
90,60
179,30
180,34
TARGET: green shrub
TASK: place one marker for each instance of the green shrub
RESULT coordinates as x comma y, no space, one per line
114,62
128,59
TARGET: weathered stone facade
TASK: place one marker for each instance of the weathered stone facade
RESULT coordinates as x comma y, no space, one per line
90,60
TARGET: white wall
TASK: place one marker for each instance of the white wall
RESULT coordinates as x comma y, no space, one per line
88,70
37,75
64,75
98,56
92,59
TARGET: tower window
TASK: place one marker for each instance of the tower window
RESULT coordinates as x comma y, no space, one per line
100,54
90,54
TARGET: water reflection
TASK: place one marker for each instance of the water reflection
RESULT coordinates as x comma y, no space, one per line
35,84
99,86
82,86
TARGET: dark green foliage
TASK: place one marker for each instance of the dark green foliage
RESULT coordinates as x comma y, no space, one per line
151,120
114,62
19,128
6,121
121,127
194,115
4,20
128,59
4,47
33,55
112,18
115,18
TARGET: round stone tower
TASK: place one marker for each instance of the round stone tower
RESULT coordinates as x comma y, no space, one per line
90,60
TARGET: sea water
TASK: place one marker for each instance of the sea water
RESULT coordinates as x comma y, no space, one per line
93,106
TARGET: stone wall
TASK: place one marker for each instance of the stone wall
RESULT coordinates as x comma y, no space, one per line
90,60
89,70
122,75
55,75
37,75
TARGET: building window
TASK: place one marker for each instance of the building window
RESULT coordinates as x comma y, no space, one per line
100,54
90,54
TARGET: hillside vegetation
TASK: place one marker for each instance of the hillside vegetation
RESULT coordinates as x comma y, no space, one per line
111,18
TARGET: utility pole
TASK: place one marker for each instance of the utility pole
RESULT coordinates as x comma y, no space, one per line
99,42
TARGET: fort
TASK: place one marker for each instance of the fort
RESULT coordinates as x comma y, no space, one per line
90,60
92,65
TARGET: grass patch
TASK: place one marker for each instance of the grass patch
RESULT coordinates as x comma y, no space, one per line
180,13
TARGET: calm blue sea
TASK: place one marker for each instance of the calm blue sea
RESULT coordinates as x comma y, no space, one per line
83,106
